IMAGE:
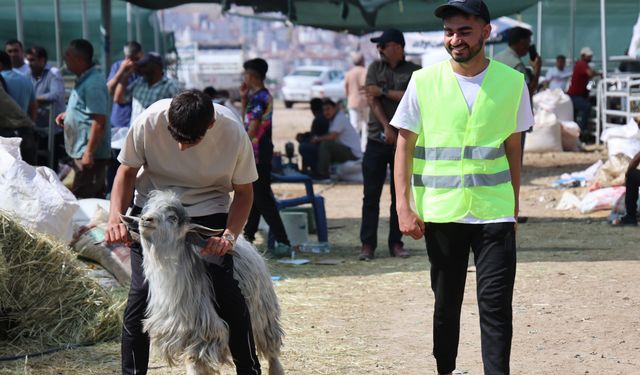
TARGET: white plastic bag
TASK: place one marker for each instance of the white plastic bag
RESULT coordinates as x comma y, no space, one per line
601,199
35,196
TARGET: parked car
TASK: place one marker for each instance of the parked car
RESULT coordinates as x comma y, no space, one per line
307,82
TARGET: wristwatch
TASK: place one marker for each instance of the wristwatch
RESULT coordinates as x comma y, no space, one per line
385,91
230,237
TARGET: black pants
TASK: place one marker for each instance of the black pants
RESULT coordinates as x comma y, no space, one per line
632,184
377,157
231,306
264,203
494,249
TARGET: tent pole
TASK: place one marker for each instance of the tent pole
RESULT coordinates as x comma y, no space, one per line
105,31
603,37
572,30
539,28
156,32
19,21
85,21
58,36
137,21
129,23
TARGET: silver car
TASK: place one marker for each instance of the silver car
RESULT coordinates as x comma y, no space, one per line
307,82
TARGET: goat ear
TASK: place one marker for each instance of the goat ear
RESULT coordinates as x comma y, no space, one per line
207,232
130,221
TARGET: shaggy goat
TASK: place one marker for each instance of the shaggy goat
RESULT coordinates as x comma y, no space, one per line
180,318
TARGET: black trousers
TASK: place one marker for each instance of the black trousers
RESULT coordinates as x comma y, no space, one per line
494,249
377,158
632,184
231,306
264,203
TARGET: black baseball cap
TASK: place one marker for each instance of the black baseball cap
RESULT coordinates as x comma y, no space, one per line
472,7
390,35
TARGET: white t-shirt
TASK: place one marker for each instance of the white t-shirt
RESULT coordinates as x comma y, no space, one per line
203,175
558,79
408,117
346,133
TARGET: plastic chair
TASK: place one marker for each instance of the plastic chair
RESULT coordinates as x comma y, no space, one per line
317,202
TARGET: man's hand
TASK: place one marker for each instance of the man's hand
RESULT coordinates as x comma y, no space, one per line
244,90
373,91
216,246
390,136
86,161
60,119
117,233
410,224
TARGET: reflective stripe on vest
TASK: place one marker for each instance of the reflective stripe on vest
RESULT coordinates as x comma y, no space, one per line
455,153
455,182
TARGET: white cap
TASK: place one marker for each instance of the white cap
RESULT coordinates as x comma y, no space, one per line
586,51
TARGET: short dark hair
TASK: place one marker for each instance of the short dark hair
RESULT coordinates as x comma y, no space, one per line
453,11
209,90
190,114
257,65
134,47
328,101
561,57
316,105
83,48
38,52
14,41
516,34
5,60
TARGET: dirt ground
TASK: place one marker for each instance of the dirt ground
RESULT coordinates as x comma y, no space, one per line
576,302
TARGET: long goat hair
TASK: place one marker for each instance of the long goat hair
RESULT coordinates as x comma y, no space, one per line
181,318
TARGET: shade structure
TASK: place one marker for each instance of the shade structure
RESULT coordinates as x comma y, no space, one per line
353,16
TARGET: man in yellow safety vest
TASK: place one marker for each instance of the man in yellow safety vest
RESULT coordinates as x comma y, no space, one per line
458,154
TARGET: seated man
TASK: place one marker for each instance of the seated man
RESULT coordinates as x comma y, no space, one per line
632,183
319,126
340,144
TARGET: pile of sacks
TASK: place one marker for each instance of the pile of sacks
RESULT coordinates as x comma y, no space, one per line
554,129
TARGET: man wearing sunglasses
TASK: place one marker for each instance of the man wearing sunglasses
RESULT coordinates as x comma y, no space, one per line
386,81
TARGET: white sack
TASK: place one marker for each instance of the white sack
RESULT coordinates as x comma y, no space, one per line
554,101
623,139
34,196
546,135
570,135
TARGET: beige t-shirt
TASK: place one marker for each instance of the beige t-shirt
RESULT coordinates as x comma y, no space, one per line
354,80
201,175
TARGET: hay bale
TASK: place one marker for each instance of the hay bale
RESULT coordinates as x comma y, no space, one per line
51,299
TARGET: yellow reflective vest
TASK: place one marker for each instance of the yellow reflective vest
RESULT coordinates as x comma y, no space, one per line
459,163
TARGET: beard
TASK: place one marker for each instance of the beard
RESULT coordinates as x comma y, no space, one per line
473,52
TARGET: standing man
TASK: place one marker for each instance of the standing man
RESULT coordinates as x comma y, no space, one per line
356,100
152,86
519,45
123,71
578,91
87,136
386,81
200,152
49,92
459,150
257,110
15,50
558,76
21,91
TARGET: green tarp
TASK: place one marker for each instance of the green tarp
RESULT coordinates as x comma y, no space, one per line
354,16
39,26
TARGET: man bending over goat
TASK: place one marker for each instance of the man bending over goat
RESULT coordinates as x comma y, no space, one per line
201,152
